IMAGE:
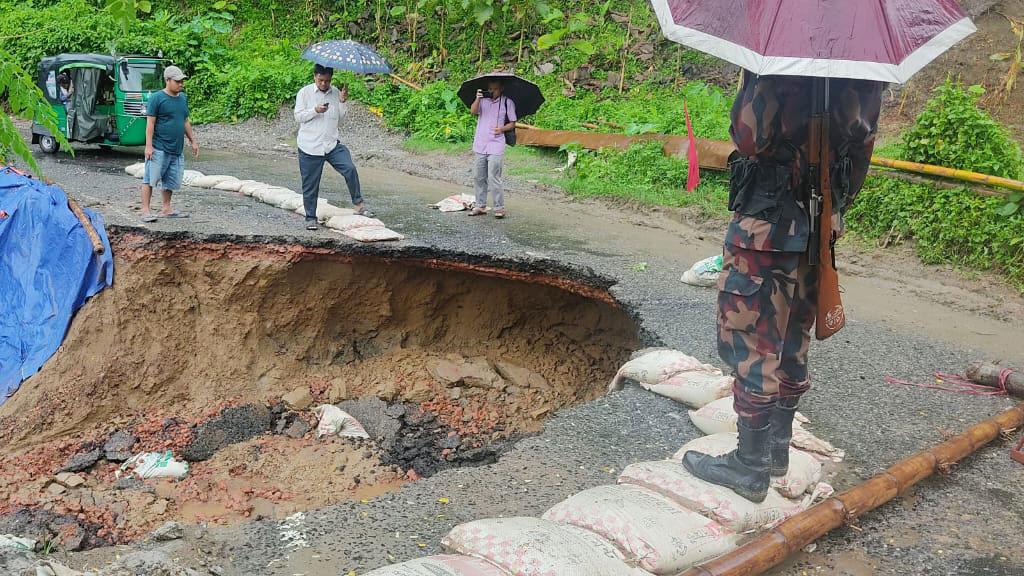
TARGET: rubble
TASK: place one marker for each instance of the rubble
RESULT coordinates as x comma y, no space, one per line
168,531
83,461
118,447
234,425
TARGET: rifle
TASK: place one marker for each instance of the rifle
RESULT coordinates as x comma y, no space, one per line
831,316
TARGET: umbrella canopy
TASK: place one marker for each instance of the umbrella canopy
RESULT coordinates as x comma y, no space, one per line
347,55
524,93
884,40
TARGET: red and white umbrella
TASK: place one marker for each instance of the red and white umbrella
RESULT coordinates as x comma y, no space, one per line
884,40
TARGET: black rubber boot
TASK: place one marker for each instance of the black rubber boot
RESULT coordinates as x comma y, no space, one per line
782,435
744,470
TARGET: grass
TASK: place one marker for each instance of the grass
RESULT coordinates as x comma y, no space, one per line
423,145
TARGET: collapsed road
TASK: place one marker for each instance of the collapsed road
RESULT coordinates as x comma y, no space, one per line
945,527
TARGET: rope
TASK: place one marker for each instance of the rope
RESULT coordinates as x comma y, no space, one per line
959,384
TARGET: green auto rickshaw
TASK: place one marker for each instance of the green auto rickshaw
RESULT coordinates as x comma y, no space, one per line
98,99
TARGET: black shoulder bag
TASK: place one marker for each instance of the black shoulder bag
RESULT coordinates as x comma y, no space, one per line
510,135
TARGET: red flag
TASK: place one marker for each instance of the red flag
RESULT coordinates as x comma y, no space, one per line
693,175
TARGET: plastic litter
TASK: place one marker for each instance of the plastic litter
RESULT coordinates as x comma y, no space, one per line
704,273
156,465
445,565
654,532
373,234
536,547
12,541
804,470
335,421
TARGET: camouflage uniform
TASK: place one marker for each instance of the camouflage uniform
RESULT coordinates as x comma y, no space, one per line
767,291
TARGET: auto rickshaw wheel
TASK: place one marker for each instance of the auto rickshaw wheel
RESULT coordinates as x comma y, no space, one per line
49,144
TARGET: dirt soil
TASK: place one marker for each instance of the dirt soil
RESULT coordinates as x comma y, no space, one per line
191,328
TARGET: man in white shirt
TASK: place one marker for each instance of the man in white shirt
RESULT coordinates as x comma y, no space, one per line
318,109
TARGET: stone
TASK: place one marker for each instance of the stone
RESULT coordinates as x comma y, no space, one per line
544,69
151,563
70,480
236,424
446,371
263,509
372,413
216,571
454,393
118,447
159,507
167,532
298,399
56,489
519,376
83,461
129,483
337,391
450,442
72,536
297,429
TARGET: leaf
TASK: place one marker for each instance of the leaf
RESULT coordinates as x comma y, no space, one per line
483,12
398,10
584,46
641,267
1008,209
144,6
548,40
999,57
220,5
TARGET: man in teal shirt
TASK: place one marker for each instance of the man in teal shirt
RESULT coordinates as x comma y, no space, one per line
166,129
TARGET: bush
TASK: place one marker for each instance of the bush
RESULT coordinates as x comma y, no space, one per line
952,131
950,226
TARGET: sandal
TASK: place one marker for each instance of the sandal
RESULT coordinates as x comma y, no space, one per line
365,212
499,213
148,218
312,225
175,215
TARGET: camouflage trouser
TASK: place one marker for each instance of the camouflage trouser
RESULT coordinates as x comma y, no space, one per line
766,307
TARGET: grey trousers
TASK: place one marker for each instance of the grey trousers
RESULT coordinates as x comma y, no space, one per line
487,171
311,168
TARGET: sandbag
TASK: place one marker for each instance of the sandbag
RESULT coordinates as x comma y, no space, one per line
335,421
445,565
536,547
272,195
656,367
325,211
249,187
292,203
188,177
651,530
455,203
804,470
670,479
352,221
693,388
137,170
211,181
719,416
231,185
373,234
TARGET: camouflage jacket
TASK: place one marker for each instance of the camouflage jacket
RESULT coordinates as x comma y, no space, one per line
770,121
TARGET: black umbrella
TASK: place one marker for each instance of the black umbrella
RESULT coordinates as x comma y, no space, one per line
524,93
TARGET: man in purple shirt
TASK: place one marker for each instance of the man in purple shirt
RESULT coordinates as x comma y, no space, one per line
496,115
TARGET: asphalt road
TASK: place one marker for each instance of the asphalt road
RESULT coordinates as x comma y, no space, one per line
971,522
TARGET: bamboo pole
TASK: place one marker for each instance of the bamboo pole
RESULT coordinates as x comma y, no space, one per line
772,547
989,374
953,173
399,79
97,244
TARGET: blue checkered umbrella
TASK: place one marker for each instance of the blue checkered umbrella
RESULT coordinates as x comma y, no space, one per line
347,55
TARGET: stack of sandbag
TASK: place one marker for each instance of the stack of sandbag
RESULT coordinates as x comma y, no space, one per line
444,565
532,546
720,416
649,529
675,375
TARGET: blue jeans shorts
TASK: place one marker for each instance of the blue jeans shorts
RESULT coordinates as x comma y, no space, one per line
167,169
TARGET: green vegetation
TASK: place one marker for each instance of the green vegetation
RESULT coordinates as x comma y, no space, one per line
955,226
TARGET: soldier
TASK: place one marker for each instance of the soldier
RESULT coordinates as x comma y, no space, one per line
768,294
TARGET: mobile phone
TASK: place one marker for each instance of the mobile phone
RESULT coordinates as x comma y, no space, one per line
327,104
487,93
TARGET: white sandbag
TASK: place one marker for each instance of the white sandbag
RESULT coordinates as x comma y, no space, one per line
211,181
188,177
325,211
445,565
455,203
804,470
249,187
651,530
137,170
231,185
656,367
373,234
352,221
334,420
293,202
715,417
693,388
535,547
669,478
271,195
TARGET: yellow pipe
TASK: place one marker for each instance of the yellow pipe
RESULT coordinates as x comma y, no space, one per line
963,175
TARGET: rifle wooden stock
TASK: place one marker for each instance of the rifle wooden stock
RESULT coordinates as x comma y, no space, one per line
831,317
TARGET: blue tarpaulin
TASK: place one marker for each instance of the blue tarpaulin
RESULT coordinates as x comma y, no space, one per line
47,272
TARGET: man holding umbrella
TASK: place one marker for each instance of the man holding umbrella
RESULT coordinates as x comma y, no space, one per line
804,125
318,109
498,100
